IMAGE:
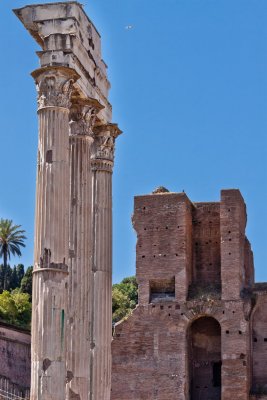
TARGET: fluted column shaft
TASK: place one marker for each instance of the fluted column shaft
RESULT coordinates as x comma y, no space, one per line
101,328
82,119
50,277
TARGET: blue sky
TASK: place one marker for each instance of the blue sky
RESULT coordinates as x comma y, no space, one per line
189,90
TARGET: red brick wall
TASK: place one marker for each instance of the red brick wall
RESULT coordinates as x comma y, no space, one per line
150,351
163,224
197,245
205,358
233,222
248,265
149,355
206,243
259,344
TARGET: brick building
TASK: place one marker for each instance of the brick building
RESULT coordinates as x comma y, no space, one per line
199,331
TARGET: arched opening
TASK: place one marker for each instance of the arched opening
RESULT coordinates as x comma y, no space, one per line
204,345
259,347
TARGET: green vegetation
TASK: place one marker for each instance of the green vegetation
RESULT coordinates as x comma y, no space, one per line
124,298
15,285
15,303
15,300
15,308
11,240
26,283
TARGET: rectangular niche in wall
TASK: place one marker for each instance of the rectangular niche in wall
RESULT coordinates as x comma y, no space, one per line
162,290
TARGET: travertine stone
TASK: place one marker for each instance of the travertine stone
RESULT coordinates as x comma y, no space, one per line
73,211
50,276
101,322
68,38
82,119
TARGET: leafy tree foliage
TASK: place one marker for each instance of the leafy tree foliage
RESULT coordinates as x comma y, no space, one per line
11,240
13,282
20,272
124,298
10,278
15,308
26,282
15,305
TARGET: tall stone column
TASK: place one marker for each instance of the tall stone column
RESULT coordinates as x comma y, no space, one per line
101,299
82,119
50,277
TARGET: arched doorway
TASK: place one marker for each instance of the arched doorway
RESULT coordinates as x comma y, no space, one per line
204,342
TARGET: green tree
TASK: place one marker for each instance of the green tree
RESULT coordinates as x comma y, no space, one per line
26,282
8,278
5,277
8,311
124,298
15,308
14,279
2,277
20,273
11,240
11,277
23,307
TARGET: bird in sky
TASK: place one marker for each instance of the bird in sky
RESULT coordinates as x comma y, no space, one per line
128,27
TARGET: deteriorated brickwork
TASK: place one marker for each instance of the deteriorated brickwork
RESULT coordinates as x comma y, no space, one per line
199,331
15,360
206,244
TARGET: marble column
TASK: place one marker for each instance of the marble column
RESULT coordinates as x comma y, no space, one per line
101,297
82,119
50,276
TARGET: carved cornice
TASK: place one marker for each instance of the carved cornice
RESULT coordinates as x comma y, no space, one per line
83,116
54,86
104,143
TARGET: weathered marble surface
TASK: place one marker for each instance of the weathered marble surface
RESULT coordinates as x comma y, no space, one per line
71,325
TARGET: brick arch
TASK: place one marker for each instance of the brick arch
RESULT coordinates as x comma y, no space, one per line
259,346
204,358
200,309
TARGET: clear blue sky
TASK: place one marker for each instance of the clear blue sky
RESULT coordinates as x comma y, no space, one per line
189,90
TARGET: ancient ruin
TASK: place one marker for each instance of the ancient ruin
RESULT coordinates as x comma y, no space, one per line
71,324
199,331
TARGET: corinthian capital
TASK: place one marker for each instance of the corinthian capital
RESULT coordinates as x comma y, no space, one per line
83,116
104,142
54,86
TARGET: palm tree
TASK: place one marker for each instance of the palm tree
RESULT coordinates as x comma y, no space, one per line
11,239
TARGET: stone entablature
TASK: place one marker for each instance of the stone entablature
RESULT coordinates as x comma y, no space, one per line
68,38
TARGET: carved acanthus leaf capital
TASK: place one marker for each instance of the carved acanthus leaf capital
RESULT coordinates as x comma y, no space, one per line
83,116
54,86
104,142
